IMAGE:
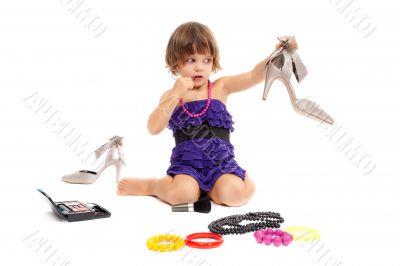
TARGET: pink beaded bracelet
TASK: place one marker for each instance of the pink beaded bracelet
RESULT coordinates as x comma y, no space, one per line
276,237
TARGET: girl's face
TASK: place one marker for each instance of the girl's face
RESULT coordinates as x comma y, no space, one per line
198,67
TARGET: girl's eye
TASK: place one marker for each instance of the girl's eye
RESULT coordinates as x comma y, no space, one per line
205,61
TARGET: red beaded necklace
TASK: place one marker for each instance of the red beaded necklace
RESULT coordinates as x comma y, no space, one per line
185,110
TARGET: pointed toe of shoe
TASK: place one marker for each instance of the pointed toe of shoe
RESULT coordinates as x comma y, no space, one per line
329,120
81,177
313,110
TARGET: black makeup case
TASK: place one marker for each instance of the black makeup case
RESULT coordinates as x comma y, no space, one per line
74,211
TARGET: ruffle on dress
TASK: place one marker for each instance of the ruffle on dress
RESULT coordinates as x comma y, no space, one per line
205,160
215,150
217,115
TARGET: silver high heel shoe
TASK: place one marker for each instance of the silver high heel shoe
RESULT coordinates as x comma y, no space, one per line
283,62
88,177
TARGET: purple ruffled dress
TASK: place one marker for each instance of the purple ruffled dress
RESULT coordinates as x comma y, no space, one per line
204,159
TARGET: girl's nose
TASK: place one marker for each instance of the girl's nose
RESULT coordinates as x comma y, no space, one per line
199,66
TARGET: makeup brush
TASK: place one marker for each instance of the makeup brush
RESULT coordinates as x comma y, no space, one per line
203,205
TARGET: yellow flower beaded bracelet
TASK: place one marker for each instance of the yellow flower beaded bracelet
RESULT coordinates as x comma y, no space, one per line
165,243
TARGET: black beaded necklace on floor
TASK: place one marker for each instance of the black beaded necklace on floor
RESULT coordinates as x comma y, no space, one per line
231,224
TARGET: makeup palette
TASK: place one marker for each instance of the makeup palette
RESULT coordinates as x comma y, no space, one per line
74,211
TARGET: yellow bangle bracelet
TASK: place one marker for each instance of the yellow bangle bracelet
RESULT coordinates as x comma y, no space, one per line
165,243
302,233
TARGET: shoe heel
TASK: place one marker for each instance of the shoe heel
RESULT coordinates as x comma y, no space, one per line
271,76
267,87
118,167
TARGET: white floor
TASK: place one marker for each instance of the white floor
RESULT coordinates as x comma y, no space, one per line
341,179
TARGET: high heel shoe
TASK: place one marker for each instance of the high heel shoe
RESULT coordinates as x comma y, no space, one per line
282,63
88,177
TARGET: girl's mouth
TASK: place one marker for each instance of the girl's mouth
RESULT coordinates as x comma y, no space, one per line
197,77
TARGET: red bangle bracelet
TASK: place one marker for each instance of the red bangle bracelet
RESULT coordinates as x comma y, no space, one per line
196,244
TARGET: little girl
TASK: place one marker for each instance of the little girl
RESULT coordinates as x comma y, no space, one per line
195,110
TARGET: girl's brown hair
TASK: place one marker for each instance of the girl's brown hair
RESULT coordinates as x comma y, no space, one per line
190,38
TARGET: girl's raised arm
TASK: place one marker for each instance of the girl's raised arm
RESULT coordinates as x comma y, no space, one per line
241,82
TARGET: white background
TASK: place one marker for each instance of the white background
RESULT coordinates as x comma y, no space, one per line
109,84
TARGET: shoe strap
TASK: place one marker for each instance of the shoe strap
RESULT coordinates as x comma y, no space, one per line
299,69
288,61
115,143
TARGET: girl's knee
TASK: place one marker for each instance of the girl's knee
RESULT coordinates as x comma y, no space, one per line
233,198
184,194
230,190
233,191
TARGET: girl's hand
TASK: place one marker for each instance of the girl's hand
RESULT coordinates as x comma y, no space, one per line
182,85
293,43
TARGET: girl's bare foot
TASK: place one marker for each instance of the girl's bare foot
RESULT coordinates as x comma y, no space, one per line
134,186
